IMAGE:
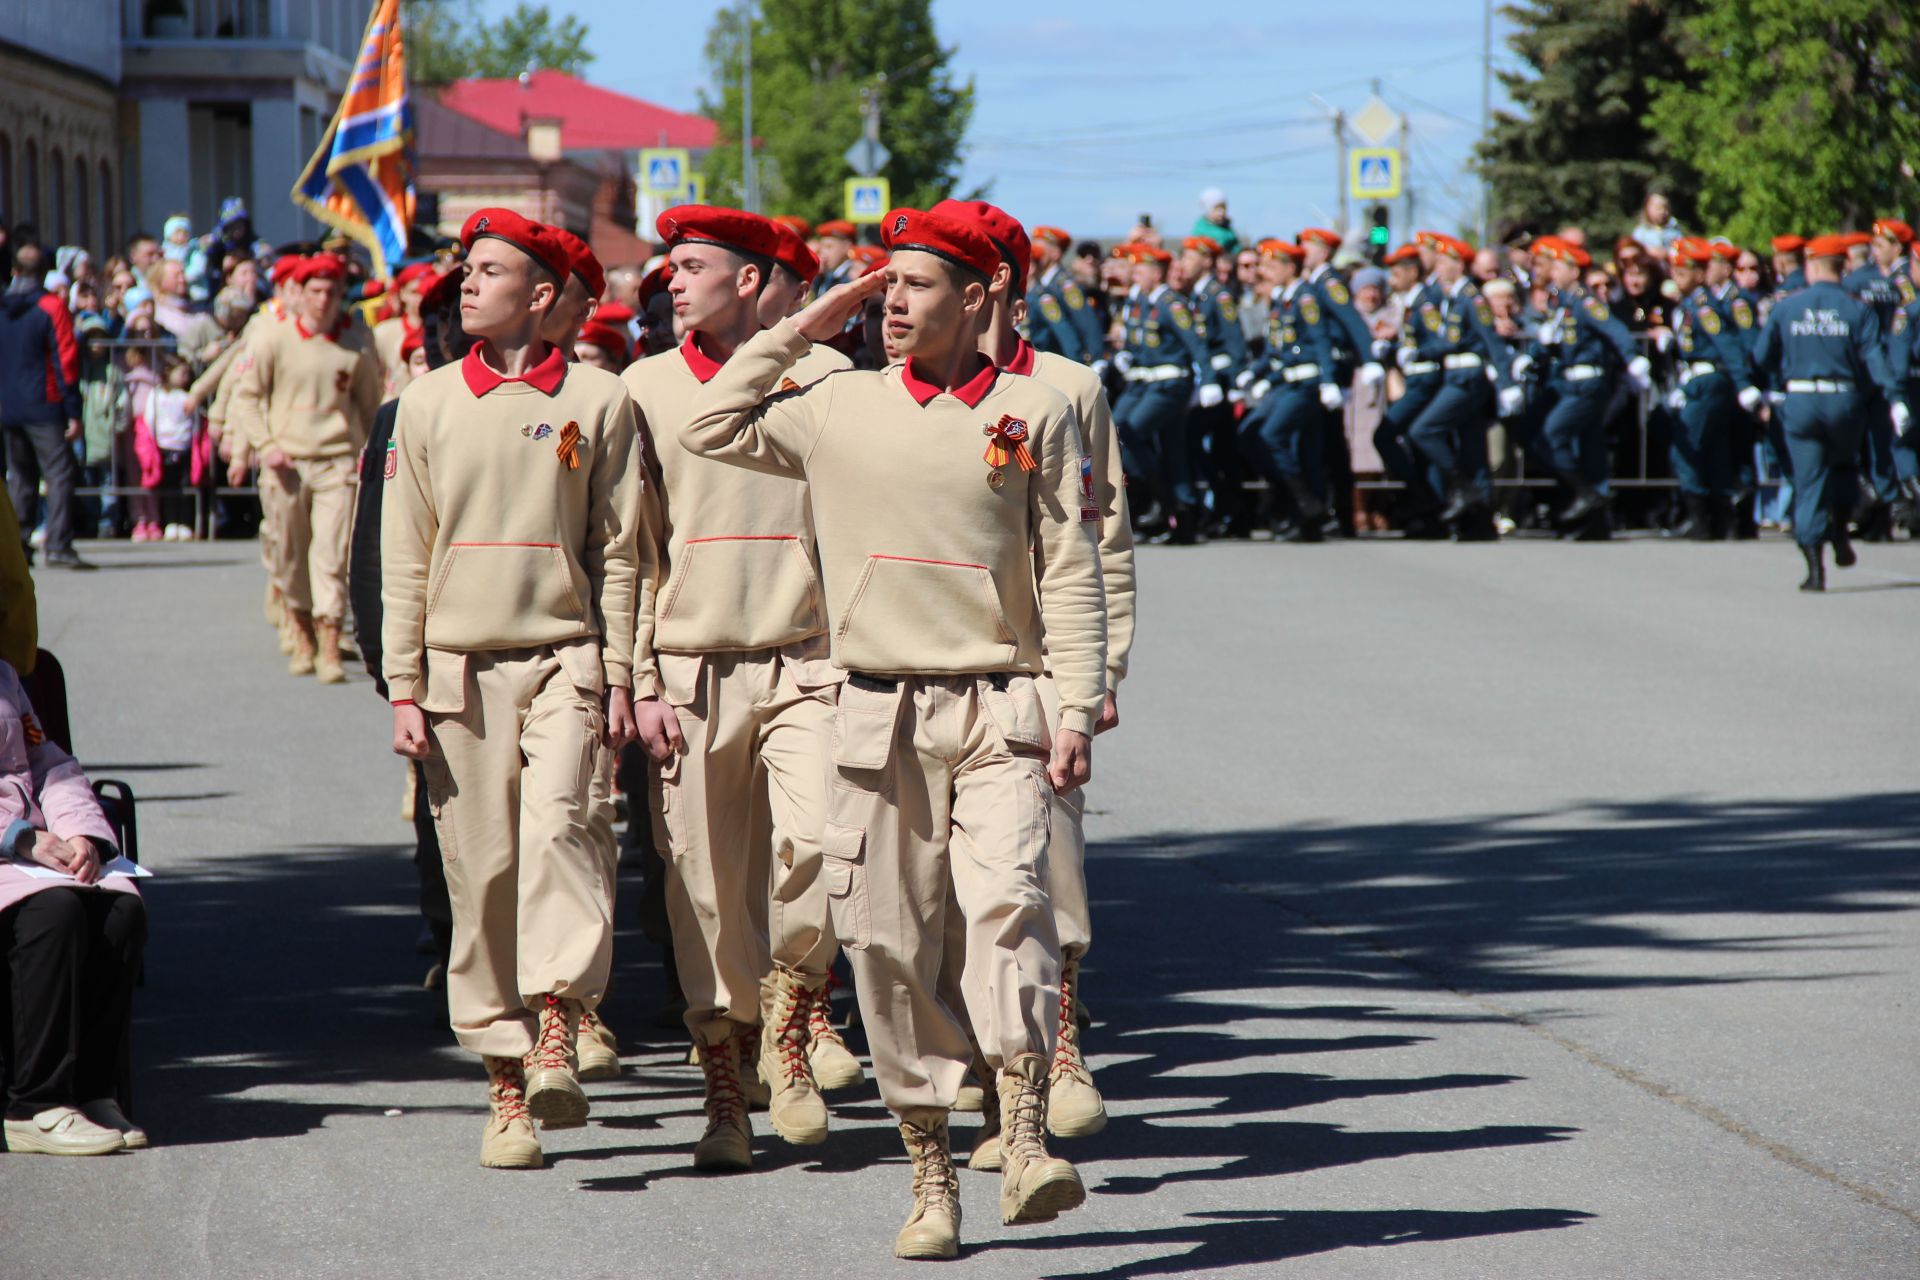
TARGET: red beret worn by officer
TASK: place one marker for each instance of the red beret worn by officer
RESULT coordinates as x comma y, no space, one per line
1833,246
999,226
1691,249
581,261
1554,249
1789,244
836,228
948,238
734,229
1272,248
869,258
792,252
1200,244
1320,235
1405,253
799,226
605,336
1893,229
535,239
1722,247
1054,236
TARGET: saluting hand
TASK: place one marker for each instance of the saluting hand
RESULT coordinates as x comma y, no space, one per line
827,315
1072,763
657,726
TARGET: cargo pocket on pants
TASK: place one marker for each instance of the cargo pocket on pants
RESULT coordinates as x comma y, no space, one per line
439,793
1013,703
845,866
670,828
864,718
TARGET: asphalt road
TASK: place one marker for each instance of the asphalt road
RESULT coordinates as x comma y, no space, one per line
1480,911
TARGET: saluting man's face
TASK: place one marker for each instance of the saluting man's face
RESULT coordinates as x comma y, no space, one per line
502,289
709,285
928,308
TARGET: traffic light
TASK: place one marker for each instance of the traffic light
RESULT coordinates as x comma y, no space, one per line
1379,234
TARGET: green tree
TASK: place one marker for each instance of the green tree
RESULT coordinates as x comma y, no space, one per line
811,59
1800,117
448,40
1578,148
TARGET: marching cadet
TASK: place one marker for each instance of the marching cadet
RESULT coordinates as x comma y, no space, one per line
1161,362
1587,348
1825,347
508,554
1351,348
937,604
277,309
1214,432
1074,1105
1713,373
1284,427
735,706
389,334
305,402
1450,434
1903,354
1883,285
1417,354
1058,314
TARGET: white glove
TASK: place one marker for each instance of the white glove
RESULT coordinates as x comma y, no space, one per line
1520,366
1676,399
1382,348
1258,392
1750,398
1099,368
1511,400
1211,395
1404,357
1123,360
1236,397
1901,416
1372,374
1663,339
1776,397
1243,379
1640,373
1549,334
1332,396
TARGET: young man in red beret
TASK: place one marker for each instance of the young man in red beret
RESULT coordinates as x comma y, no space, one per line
833,242
942,775
305,402
1059,316
1074,1105
509,558
735,706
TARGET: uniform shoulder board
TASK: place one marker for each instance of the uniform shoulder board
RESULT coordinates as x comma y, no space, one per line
1742,313
1073,297
1598,309
1338,293
1050,308
1309,309
1483,311
1906,290
1229,309
1182,318
1709,319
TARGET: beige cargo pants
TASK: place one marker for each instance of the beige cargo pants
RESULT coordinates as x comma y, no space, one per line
521,786
309,505
940,788
738,820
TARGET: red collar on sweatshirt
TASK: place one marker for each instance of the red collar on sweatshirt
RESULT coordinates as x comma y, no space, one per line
1022,362
544,377
703,365
339,327
970,393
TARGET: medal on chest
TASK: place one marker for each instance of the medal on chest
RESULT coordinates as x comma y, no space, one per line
1006,443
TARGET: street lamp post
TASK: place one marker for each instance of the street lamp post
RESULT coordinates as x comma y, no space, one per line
749,179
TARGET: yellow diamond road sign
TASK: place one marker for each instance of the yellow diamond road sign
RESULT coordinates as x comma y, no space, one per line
868,199
1374,173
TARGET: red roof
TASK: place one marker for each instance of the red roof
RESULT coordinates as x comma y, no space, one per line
591,118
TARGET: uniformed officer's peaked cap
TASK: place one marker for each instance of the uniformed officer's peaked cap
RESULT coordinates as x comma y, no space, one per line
791,252
1691,249
1281,249
321,266
581,262
1893,229
1789,244
729,228
535,239
943,236
1331,239
839,228
1827,247
999,226
1054,236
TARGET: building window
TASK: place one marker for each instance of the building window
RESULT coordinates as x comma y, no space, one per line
57,187
106,208
30,186
82,210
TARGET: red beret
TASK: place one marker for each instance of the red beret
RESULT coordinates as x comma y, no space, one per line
284,267
605,336
1828,246
373,289
1271,248
1201,244
1554,249
835,227
582,262
442,289
1722,247
415,339
1852,238
655,282
961,243
1789,244
1690,249
535,239
613,313
1893,229
734,229
1331,239
999,226
791,250
408,274
1137,251
799,226
871,258
1405,253
1054,236
1455,247
321,266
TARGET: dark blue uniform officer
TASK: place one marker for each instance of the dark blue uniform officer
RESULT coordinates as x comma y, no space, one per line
1884,288
1211,426
1162,358
1059,317
1418,352
1824,350
1284,433
1352,344
1716,384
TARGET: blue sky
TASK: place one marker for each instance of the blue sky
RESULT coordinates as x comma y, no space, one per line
1089,112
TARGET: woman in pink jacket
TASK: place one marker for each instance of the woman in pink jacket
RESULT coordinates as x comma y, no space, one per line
73,941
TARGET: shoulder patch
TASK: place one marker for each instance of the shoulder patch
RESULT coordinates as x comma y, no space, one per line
1337,291
1309,309
1229,309
1430,314
1598,309
1906,290
1072,296
1900,322
1050,308
1483,312
1709,319
1182,318
1742,313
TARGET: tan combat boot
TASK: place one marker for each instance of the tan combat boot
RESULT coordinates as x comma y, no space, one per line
273,607
1074,1106
327,663
509,1142
554,1095
985,1157
834,1066
1034,1186
727,1145
794,1104
594,1047
933,1228
300,632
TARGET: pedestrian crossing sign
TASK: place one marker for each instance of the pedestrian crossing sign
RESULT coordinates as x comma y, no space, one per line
696,189
664,171
868,199
1375,173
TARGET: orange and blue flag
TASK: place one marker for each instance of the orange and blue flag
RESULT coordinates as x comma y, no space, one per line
361,179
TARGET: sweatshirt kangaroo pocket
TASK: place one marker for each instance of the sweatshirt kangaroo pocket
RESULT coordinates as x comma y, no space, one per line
483,582
924,615
739,591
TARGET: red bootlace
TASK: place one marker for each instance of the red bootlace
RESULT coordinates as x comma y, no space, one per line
1066,1055
820,1015
509,1095
793,1036
724,1099
556,1037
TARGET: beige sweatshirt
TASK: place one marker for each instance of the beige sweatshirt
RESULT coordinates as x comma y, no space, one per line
489,540
928,565
387,337
310,395
1102,474
736,563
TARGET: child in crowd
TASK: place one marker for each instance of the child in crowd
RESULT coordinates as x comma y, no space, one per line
104,416
166,435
